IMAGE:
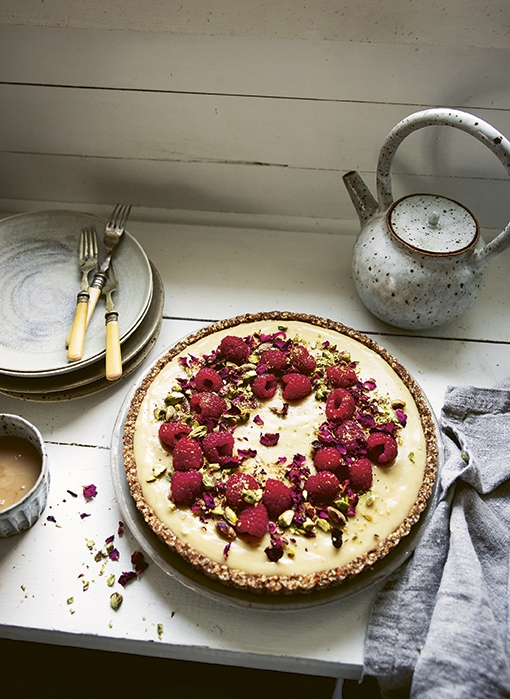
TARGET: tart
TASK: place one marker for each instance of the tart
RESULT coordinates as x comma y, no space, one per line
280,453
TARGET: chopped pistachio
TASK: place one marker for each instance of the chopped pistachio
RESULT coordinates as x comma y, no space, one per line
342,503
225,530
90,543
70,600
174,398
158,470
159,414
368,516
321,393
230,516
291,553
218,510
337,517
308,524
160,631
209,481
170,413
370,500
198,432
115,600
323,524
285,519
411,456
110,580
253,496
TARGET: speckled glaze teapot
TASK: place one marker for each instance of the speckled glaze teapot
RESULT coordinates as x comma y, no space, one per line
420,262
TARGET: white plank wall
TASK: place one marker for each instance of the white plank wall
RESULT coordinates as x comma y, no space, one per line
253,108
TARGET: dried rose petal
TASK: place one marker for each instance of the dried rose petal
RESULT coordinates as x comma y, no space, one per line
89,491
139,562
269,440
114,555
127,577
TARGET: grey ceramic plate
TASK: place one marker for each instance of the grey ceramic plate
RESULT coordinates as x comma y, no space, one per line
39,281
91,379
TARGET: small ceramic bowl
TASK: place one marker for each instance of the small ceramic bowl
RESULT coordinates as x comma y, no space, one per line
22,514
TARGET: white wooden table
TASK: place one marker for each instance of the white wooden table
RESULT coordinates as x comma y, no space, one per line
52,589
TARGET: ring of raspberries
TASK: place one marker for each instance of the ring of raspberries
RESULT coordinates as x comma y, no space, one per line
222,390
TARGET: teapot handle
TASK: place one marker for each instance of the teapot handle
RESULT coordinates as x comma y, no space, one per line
475,126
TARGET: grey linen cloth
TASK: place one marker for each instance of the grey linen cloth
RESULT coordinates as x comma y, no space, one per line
440,626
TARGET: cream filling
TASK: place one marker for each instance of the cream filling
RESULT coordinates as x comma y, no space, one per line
379,512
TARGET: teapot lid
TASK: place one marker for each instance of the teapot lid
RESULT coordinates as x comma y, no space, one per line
432,224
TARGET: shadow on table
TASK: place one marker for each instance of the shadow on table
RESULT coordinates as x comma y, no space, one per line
61,672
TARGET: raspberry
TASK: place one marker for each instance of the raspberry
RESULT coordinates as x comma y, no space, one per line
208,380
360,474
277,498
302,361
253,521
186,486
207,406
296,386
350,435
327,459
170,432
234,349
273,360
187,454
322,487
340,405
264,386
218,447
237,484
382,447
341,376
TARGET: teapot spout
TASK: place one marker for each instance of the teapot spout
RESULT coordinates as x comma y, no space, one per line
493,249
363,201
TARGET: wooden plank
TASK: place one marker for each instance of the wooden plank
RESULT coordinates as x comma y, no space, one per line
225,129
266,191
449,75
458,22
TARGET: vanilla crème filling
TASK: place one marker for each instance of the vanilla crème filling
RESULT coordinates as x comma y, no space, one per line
379,511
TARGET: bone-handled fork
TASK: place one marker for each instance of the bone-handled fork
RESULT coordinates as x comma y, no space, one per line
113,233
111,319
88,256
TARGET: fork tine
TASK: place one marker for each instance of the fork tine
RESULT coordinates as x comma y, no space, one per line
94,248
113,218
83,244
123,217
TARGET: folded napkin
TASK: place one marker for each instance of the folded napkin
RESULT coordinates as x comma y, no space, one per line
440,627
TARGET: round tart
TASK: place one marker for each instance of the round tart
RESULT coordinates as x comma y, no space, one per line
280,453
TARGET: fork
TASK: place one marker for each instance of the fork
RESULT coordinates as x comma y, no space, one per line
113,233
88,256
111,319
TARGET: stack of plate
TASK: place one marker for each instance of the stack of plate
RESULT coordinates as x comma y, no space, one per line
39,281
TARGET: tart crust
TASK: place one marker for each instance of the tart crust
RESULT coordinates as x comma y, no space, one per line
281,584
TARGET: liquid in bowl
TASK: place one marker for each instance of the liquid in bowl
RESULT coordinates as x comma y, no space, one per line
20,467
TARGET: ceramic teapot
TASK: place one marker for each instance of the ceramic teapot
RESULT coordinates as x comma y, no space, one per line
420,262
